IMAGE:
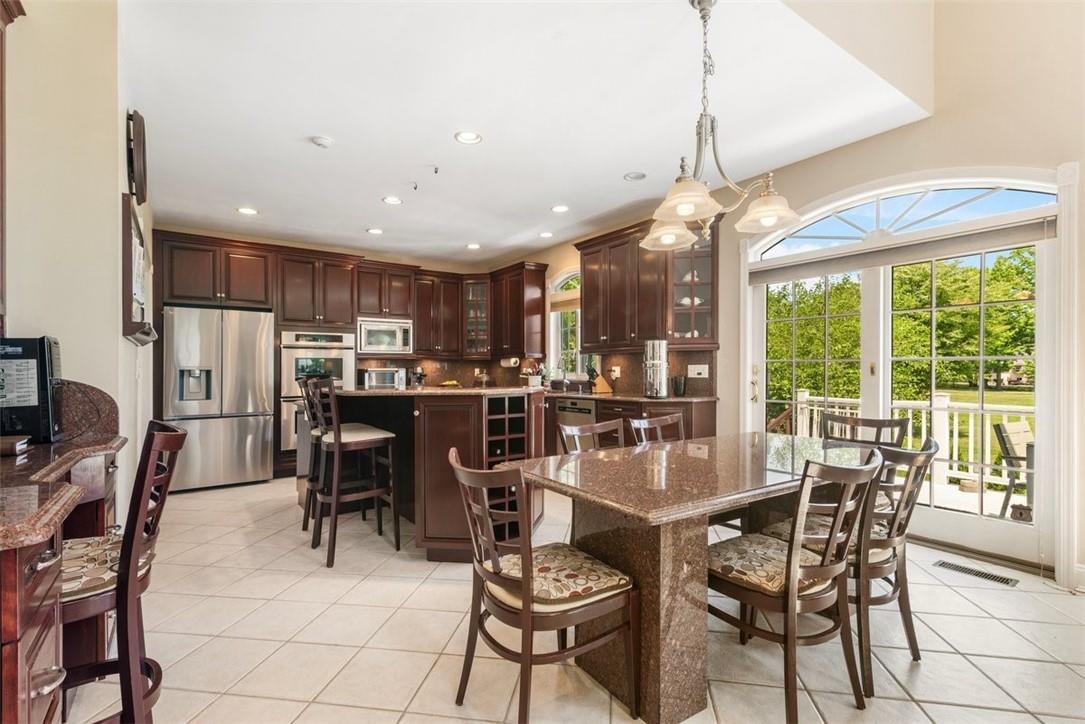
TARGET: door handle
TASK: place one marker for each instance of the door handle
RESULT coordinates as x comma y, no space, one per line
754,396
47,559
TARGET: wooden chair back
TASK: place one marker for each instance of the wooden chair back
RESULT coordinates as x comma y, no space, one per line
650,429
571,436
307,397
843,505
901,479
157,461
871,430
492,500
325,407
1013,440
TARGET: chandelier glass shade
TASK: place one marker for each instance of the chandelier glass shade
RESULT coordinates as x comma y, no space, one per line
687,200
668,236
768,212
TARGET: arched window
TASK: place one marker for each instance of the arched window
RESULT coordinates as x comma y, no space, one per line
902,212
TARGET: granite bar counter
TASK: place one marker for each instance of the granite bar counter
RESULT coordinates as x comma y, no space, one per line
617,397
644,510
437,390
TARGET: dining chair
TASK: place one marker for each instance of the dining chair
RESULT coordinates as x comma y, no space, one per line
111,572
572,436
335,440
873,430
546,588
767,574
651,429
879,544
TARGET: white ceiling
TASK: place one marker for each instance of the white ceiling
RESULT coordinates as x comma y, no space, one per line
568,96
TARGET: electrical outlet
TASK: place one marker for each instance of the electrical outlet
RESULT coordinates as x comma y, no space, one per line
615,372
697,371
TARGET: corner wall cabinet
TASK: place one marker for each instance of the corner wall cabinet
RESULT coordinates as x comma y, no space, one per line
518,327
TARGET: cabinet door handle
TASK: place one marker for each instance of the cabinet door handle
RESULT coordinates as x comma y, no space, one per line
47,559
59,675
417,413
111,468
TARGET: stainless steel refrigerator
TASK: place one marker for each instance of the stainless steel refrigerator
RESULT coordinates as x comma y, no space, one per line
218,368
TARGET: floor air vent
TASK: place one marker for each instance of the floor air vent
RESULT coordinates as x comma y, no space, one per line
968,570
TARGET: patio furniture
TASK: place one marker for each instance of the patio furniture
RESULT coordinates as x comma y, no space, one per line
1016,442
805,573
571,435
650,429
875,430
547,588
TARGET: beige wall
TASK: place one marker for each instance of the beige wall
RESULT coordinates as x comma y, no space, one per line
1008,92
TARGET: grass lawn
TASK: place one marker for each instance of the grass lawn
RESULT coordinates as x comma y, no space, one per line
994,398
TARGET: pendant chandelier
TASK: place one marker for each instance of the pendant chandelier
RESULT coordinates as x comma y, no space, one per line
688,200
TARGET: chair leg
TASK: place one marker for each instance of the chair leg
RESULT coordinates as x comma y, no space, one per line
563,638
845,641
632,653
743,614
129,655
527,640
307,511
392,494
318,507
862,617
472,636
791,690
1009,495
334,512
905,605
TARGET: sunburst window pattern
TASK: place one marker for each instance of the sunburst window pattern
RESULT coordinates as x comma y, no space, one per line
905,213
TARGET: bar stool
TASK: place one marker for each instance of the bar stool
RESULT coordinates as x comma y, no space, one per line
651,429
336,439
111,572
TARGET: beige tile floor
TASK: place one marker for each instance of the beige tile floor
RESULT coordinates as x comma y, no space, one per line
251,627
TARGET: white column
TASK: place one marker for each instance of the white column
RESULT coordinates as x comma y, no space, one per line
802,413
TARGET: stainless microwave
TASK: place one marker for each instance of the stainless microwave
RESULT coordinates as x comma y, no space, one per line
385,378
385,336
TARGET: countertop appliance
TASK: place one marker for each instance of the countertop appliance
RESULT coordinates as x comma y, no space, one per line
218,383
311,354
385,336
385,378
656,371
29,378
572,411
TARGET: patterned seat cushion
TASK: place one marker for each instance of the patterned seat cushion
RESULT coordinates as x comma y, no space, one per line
759,562
820,524
90,565
563,576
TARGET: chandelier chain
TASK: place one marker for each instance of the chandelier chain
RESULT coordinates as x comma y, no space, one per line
709,66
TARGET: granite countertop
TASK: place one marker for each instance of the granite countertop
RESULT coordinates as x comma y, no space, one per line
35,498
604,396
661,483
435,390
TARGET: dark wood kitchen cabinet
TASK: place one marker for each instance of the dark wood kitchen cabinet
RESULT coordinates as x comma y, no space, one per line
519,315
316,291
609,290
692,294
437,318
698,416
385,291
476,317
203,272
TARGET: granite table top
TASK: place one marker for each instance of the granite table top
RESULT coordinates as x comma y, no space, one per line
438,391
35,496
604,396
659,483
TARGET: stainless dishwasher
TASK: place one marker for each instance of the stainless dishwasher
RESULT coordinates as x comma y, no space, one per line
575,411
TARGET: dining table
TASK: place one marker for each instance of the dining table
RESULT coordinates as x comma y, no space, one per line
645,510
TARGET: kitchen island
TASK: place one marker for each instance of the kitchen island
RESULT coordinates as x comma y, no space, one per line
489,426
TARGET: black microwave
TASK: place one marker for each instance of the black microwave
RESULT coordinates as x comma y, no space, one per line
29,378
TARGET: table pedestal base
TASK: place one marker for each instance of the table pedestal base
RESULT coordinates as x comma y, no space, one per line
668,563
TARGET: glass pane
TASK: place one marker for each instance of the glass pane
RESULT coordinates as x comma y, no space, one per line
862,215
1009,330
960,488
844,380
778,383
1010,275
911,334
957,332
779,418
844,293
936,202
810,297
844,337
911,381
810,338
894,206
800,244
957,280
912,286
1009,382
810,376
956,383
830,226
778,340
778,301
1001,202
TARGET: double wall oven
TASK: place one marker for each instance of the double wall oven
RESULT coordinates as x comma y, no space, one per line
306,354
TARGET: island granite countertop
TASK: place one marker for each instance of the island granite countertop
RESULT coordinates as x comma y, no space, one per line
437,390
616,397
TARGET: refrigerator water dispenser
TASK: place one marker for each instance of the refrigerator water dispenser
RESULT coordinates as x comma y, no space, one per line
195,384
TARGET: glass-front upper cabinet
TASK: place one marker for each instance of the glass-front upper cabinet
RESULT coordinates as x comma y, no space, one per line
476,317
693,294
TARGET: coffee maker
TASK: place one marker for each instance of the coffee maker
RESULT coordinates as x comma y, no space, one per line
29,386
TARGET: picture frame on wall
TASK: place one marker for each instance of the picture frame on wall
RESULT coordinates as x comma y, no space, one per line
136,272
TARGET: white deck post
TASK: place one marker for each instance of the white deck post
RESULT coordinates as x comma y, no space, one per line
940,433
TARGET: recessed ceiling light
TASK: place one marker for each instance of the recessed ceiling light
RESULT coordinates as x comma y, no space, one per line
559,209
546,234
392,200
472,247
635,176
468,137
375,231
247,211
322,141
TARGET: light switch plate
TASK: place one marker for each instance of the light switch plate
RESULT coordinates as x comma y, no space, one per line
697,371
615,372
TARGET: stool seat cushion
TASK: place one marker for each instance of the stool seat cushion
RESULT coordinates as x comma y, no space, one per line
315,432
361,433
759,562
562,577
90,566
